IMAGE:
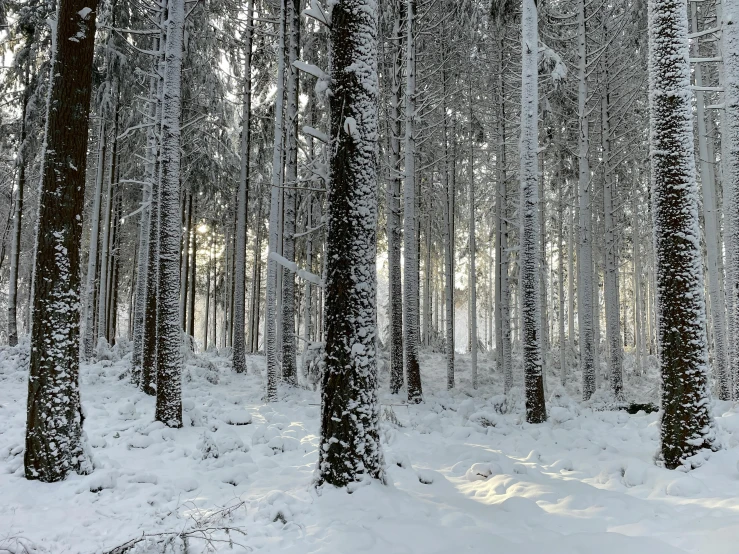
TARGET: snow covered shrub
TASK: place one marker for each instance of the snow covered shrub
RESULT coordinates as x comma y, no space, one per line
207,446
314,364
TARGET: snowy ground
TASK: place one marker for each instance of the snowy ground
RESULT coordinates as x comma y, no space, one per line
463,477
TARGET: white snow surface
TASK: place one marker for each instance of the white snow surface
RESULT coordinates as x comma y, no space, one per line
463,477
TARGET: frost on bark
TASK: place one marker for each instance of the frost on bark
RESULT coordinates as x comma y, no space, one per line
530,276
686,425
15,248
730,153
585,230
54,413
350,442
410,243
394,229
239,312
169,355
270,322
289,351
502,290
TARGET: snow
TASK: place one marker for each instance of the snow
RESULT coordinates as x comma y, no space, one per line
463,476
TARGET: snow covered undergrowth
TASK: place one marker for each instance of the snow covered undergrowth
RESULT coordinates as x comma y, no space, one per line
462,476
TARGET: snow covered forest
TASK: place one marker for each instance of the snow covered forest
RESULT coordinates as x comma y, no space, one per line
391,276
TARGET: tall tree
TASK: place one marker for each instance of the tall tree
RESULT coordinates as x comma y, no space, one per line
686,425
169,356
350,443
239,316
54,415
530,277
410,242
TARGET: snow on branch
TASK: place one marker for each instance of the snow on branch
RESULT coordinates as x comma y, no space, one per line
311,69
292,266
317,12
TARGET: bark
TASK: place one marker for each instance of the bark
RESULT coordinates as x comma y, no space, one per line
274,230
410,244
529,251
585,239
54,419
289,351
169,356
394,229
15,248
350,440
239,314
686,424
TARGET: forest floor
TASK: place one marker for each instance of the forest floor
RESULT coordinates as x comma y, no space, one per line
462,476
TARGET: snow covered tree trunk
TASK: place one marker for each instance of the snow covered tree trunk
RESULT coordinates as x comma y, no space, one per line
686,425
90,285
410,244
15,247
730,52
289,351
448,246
585,238
274,227
53,446
529,251
394,229
560,265
255,279
350,437
611,268
169,356
571,280
503,312
472,246
193,268
711,231
636,241
239,313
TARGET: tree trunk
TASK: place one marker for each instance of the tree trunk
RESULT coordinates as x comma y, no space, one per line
239,315
529,251
394,229
585,250
289,351
350,439
53,447
274,231
169,356
15,248
686,424
410,244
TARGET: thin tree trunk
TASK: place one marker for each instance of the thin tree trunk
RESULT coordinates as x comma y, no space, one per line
394,229
239,313
289,351
410,244
585,240
529,250
274,231
473,248
15,248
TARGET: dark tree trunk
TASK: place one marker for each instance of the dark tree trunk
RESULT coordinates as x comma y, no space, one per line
54,416
350,443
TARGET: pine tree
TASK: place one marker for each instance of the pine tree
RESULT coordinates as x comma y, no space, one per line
686,425
350,443
530,282
169,357
54,416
